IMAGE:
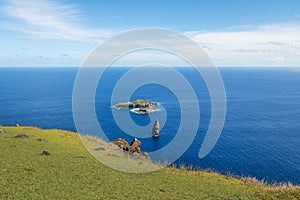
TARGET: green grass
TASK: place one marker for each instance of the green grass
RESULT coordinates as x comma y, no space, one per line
71,172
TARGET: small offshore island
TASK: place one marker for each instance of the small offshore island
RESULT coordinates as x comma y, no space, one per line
139,106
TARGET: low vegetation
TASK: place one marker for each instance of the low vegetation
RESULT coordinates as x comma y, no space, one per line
54,164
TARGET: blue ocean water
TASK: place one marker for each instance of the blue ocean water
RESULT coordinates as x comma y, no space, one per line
261,136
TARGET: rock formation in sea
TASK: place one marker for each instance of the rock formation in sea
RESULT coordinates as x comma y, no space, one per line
138,106
139,103
156,129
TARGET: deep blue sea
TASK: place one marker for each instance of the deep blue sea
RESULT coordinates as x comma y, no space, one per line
261,136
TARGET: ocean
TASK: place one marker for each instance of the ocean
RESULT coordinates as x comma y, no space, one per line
260,138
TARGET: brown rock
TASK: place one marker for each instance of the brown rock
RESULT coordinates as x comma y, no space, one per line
120,142
134,149
126,148
135,143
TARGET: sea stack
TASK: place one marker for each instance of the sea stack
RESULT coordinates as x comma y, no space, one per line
155,129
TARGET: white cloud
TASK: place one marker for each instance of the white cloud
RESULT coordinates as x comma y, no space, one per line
265,45
48,19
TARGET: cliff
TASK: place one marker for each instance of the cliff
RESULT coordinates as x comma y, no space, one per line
70,172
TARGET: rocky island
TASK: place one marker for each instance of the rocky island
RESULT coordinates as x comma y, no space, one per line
139,106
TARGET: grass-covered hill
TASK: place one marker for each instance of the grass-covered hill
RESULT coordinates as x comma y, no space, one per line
54,164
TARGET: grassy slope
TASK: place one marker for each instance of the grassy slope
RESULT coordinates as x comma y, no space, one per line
72,173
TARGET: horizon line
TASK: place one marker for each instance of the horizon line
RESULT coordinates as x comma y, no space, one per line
74,66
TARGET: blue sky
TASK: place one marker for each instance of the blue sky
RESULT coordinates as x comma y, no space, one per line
233,33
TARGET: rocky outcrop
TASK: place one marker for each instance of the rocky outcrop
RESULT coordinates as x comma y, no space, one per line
120,142
134,147
156,129
22,136
139,106
139,103
135,143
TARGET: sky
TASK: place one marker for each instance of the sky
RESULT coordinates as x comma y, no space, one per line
232,32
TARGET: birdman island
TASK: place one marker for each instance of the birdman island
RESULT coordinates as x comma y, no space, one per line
139,106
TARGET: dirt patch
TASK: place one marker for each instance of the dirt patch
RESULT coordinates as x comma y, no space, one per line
22,136
41,140
100,149
46,153
113,155
80,156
